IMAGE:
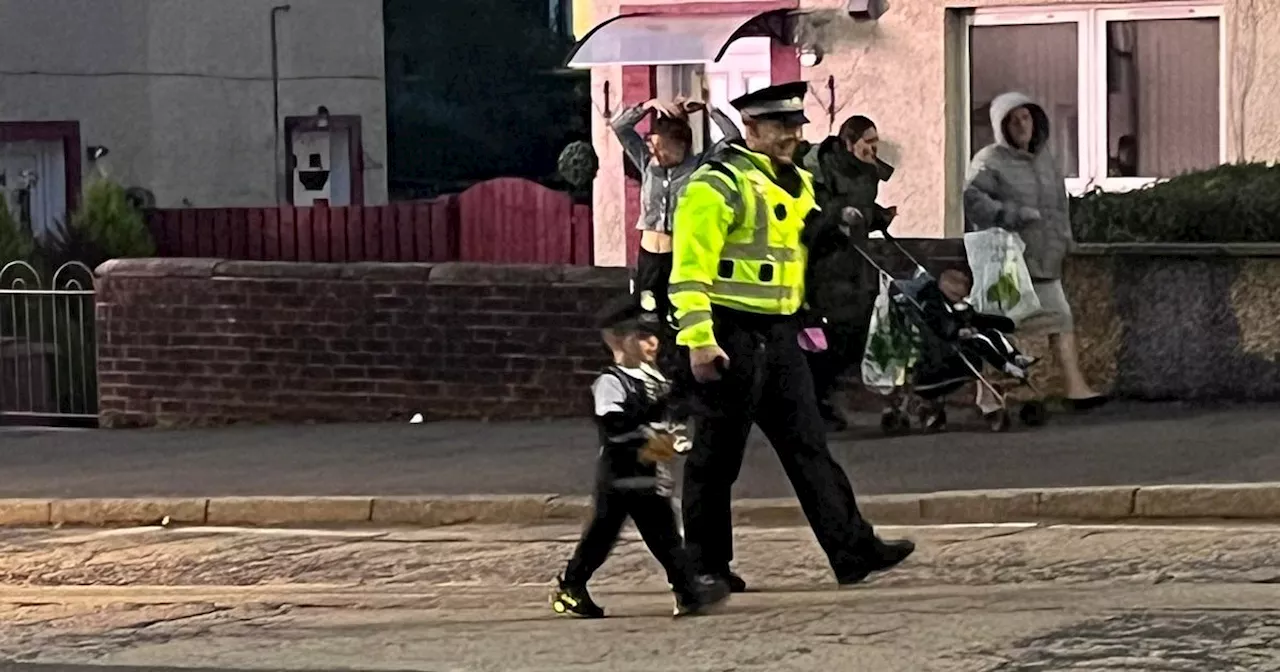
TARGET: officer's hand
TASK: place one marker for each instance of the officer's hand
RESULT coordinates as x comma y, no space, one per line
705,362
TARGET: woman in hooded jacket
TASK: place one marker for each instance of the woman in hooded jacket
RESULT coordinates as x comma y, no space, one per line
1015,184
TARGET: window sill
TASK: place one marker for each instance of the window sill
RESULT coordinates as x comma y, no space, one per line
1115,185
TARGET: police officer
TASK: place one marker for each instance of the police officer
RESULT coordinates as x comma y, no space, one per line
737,283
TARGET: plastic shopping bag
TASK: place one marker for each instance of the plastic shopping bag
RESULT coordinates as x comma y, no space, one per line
892,345
1001,282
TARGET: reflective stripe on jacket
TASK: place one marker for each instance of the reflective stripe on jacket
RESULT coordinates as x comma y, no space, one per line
737,243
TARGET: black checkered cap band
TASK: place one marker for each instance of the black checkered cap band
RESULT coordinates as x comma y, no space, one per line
770,107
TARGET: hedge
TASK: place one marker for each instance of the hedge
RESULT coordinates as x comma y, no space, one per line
1229,204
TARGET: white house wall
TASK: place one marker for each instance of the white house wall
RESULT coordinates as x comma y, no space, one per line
180,91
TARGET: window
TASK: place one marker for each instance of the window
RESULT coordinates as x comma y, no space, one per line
560,14
1132,95
745,67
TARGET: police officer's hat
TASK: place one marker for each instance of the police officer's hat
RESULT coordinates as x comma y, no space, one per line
628,313
783,102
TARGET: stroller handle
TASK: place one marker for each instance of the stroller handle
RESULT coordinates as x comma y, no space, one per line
903,250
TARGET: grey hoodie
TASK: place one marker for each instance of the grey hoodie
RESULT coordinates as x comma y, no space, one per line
1004,183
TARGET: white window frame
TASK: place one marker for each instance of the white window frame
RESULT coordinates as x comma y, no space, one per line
1091,21
692,80
685,80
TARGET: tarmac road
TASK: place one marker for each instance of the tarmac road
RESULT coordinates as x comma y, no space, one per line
1124,444
974,599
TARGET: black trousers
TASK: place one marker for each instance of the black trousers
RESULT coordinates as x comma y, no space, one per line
653,274
846,343
767,383
989,346
845,346
655,518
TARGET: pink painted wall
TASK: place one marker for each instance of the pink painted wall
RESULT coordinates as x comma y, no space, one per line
896,72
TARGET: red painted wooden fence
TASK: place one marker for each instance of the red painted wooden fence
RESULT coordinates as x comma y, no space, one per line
507,220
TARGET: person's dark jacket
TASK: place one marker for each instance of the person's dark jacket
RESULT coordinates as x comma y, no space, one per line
945,321
840,284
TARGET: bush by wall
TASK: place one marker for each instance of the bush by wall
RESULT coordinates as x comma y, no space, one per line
1228,204
106,226
15,243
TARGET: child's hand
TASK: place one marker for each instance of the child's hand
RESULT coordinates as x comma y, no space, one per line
967,333
661,447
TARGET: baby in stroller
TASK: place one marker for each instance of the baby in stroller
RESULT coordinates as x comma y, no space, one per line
958,338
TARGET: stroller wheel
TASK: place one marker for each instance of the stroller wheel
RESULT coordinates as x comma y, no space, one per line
998,421
895,422
1033,414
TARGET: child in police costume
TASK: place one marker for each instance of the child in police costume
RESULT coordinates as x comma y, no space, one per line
633,477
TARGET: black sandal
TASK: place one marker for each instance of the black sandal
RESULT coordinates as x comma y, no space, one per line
1088,403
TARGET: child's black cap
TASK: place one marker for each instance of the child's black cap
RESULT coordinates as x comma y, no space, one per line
627,314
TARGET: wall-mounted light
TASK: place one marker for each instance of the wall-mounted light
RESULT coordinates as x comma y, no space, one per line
867,10
322,117
95,152
810,56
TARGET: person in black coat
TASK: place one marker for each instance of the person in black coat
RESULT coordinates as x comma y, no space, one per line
841,286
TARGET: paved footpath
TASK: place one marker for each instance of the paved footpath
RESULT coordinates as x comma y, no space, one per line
994,599
1121,445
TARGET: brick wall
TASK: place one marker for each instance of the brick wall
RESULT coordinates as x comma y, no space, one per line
202,341
194,341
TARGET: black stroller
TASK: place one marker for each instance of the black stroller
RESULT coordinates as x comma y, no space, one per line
905,359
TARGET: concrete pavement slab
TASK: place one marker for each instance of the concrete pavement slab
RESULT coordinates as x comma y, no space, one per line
973,599
1121,445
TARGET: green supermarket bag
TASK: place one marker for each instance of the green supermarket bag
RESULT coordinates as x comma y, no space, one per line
1001,282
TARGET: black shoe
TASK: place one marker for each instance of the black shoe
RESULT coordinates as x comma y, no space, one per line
569,600
884,555
834,417
1088,403
933,418
736,584
710,591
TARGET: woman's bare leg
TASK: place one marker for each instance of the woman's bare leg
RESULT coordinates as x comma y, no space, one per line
1064,345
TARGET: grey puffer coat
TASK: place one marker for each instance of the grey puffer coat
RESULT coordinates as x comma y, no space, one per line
1004,182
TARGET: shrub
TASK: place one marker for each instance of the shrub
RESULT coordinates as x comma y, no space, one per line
1228,204
106,226
15,243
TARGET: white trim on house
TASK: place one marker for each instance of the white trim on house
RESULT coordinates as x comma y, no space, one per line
1091,23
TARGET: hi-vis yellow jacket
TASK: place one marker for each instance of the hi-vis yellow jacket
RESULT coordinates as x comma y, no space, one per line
737,243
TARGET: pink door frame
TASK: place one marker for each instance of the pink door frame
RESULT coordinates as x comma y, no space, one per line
66,132
639,82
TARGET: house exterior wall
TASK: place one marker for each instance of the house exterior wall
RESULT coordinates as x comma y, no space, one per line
180,91
898,75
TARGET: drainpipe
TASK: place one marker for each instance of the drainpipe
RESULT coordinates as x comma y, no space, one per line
277,168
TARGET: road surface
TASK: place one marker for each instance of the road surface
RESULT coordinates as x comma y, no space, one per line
1122,445
975,599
